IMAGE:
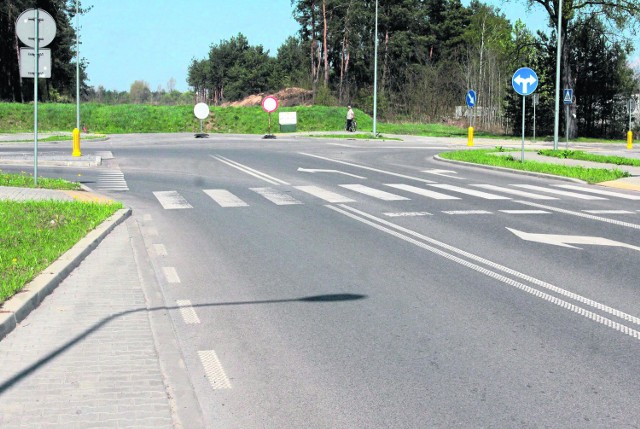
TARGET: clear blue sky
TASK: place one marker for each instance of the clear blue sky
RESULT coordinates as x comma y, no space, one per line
154,41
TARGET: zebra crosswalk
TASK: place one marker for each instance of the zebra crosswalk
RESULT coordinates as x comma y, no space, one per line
287,195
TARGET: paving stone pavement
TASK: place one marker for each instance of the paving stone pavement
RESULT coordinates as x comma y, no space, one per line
86,358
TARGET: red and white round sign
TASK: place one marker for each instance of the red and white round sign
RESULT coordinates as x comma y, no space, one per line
270,104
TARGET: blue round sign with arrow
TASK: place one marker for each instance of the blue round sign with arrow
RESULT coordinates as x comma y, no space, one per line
525,81
471,98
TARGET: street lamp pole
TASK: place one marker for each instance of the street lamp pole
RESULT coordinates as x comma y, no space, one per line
375,75
558,59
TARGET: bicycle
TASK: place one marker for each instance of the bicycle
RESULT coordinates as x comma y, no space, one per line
353,128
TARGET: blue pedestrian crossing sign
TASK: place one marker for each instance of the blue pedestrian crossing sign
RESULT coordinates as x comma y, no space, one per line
471,98
568,96
524,81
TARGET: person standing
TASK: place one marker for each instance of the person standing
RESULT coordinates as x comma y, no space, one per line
350,117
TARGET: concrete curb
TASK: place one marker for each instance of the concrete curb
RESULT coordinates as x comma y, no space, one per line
54,163
18,307
509,170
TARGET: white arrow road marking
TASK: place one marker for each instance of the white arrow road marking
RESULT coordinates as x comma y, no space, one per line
563,240
445,173
317,170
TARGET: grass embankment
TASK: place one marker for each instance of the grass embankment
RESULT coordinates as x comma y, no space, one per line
33,234
584,156
486,157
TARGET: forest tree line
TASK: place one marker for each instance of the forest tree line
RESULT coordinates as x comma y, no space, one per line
430,52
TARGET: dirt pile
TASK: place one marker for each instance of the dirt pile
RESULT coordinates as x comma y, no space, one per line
286,97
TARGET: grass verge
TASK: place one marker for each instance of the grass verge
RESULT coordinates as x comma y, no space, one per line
24,180
584,156
485,157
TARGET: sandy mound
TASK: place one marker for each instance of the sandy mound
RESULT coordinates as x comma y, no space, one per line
286,97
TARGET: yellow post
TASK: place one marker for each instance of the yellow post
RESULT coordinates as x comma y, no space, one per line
630,140
76,142
470,137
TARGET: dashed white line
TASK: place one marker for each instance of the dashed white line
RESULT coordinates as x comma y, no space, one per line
188,313
160,250
525,211
171,275
213,370
408,214
608,211
466,212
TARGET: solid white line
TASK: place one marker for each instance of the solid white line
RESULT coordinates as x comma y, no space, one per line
376,193
213,370
328,196
516,192
251,171
466,212
485,195
225,198
172,200
369,168
187,312
586,216
408,214
171,275
557,192
600,192
422,191
608,211
524,211
277,197
532,280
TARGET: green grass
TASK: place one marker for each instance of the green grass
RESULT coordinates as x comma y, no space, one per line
33,234
358,136
483,156
583,156
24,180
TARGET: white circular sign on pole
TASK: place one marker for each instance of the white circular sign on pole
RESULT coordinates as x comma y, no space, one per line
270,104
201,110
25,28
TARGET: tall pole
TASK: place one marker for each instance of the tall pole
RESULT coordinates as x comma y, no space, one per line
558,59
375,75
77,65
35,95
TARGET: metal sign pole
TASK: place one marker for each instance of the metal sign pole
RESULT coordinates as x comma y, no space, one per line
523,106
566,121
36,23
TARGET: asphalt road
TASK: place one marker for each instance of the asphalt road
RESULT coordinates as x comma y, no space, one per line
309,298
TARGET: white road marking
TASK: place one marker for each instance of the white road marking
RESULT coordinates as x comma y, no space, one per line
364,167
445,173
225,198
466,212
563,240
525,211
318,170
600,192
328,196
516,192
171,200
422,191
171,275
147,218
275,196
160,249
608,211
586,216
111,180
213,370
187,311
471,192
407,234
408,214
557,192
376,193
251,171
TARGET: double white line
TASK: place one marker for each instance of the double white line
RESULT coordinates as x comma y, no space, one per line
248,170
449,252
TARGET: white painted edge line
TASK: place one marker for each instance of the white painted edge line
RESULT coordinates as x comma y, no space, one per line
600,192
608,211
361,216
213,370
364,167
466,212
251,171
187,311
579,214
171,275
408,214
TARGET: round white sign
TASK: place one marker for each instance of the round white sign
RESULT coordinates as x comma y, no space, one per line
201,110
26,32
270,104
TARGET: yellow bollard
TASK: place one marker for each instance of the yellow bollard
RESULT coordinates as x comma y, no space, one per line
630,140
76,142
470,137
